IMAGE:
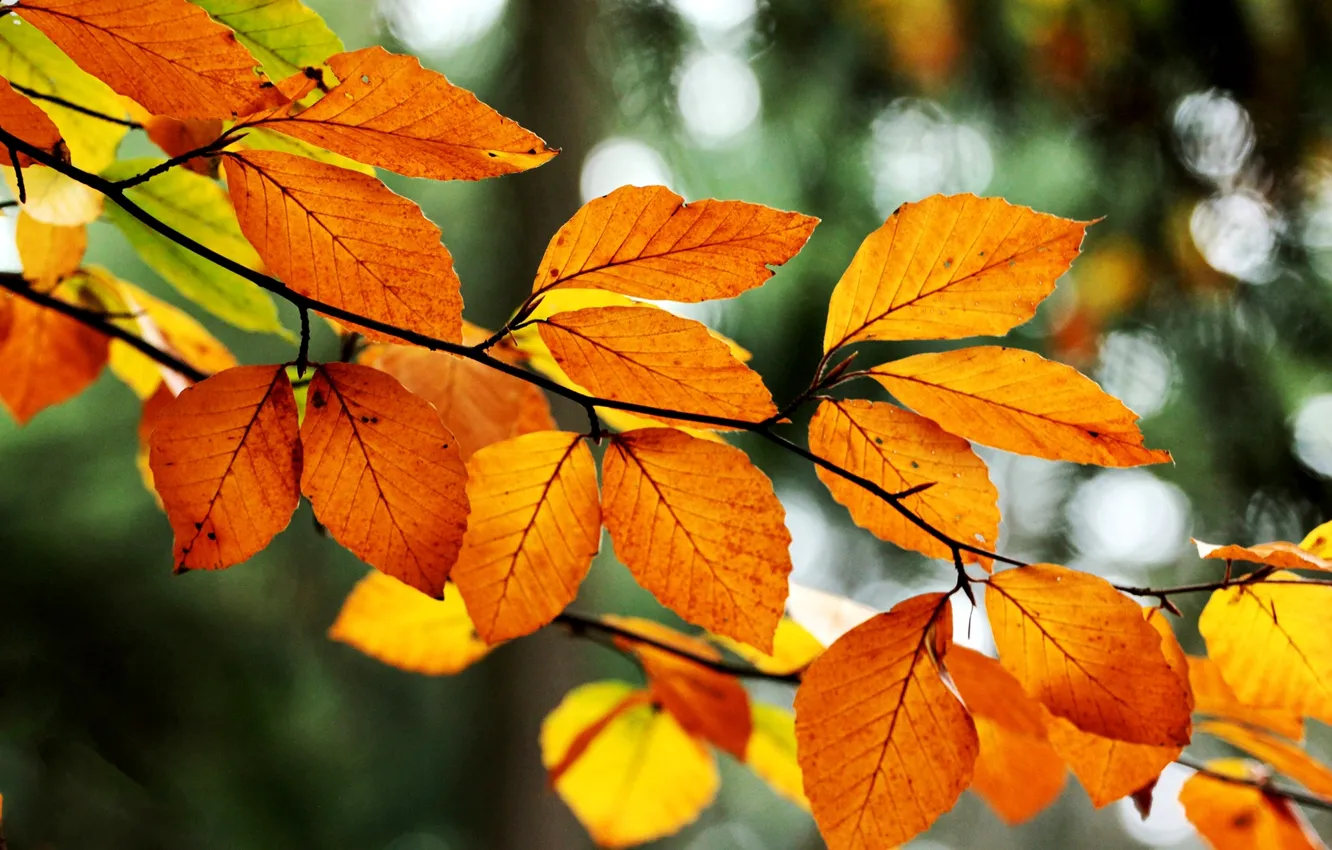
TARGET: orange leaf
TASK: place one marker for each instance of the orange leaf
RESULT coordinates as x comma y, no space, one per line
1272,644
700,527
22,118
48,358
646,242
391,622
648,356
988,690
899,450
226,460
166,54
177,137
534,528
383,474
1232,816
391,112
884,746
1280,554
343,238
49,252
479,405
1087,654
1108,769
1283,755
1215,698
1016,400
708,703
949,267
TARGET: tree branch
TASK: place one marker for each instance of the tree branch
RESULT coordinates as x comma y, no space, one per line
32,94
1267,787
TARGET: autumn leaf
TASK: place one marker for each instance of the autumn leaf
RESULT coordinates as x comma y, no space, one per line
793,648
284,35
709,704
1319,541
699,526
48,358
1085,651
771,753
648,356
395,624
1233,816
178,137
49,253
1214,698
390,112
949,267
383,474
534,527
1017,401
343,238
642,777
166,54
899,450
646,242
1283,755
1280,554
226,461
24,119
151,411
1017,772
1271,643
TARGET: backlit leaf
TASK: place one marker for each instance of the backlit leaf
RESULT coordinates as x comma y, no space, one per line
1280,554
884,746
949,267
700,527
383,474
1016,400
152,409
1213,697
1272,644
177,137
479,405
166,54
226,460
646,242
1232,816
709,704
258,138
898,450
648,356
642,776
1085,651
1319,541
534,527
54,198
390,112
1283,755
793,648
47,358
390,621
198,208
24,119
772,752
284,35
49,253
343,238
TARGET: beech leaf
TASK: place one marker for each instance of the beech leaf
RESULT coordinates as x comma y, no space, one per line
48,358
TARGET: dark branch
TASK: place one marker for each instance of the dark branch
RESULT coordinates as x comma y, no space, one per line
1266,786
74,107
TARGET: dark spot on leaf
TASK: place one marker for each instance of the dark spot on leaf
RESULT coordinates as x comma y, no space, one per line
365,419
878,441
198,526
1094,434
374,420
318,400
1243,820
915,465
491,154
212,536
554,273
948,263
982,253
532,152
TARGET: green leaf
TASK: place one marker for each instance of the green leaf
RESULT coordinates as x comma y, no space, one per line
284,35
29,59
198,208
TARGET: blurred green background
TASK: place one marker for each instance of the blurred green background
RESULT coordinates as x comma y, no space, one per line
210,711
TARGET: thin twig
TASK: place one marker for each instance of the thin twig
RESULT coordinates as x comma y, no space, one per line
1262,785
209,149
74,107
303,354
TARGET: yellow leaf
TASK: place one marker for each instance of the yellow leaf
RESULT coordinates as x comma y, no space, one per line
899,450
390,112
949,267
1232,816
1319,541
793,648
390,621
700,527
646,242
772,752
54,198
1016,400
343,238
1213,697
1280,554
1283,755
1272,644
885,747
49,253
383,474
534,527
1085,651
642,777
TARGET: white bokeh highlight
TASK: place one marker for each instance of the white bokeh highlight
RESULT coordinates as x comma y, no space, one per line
1167,825
1214,134
1237,234
1313,434
718,97
621,161
1136,369
917,149
440,27
1128,518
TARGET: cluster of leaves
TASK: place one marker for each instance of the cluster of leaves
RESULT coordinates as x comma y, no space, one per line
434,457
